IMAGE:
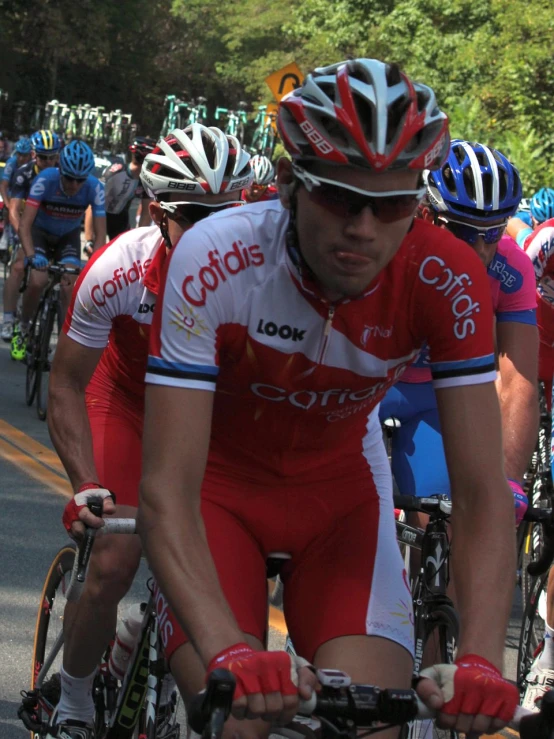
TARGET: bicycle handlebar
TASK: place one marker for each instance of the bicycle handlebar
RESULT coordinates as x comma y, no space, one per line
347,709
84,550
423,505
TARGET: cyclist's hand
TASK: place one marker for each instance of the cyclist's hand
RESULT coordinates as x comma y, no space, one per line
76,513
470,695
37,261
520,500
268,684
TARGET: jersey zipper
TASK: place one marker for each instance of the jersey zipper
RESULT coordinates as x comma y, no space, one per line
326,332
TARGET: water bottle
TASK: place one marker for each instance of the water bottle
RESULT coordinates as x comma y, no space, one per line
126,637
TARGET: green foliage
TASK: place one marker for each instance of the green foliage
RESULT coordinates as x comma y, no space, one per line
489,61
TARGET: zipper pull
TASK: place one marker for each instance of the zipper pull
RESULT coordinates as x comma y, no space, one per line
329,321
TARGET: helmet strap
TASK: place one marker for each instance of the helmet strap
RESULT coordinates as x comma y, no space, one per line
165,232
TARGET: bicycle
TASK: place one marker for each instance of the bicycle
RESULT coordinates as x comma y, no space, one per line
170,119
263,140
197,111
342,708
436,623
124,709
43,337
539,489
36,117
236,120
534,615
98,129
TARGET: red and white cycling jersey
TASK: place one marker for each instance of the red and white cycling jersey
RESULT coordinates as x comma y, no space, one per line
113,303
539,246
294,376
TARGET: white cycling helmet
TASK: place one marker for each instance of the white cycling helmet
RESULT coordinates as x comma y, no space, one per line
263,170
364,113
196,161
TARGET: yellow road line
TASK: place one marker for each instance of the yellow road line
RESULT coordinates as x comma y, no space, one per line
35,469
33,448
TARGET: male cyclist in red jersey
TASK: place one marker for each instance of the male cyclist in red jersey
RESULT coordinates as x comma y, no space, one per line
262,187
97,385
538,242
257,436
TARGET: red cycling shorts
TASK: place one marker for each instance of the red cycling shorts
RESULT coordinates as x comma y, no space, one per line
116,420
345,575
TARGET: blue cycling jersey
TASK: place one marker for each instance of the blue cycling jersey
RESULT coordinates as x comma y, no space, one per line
9,173
58,213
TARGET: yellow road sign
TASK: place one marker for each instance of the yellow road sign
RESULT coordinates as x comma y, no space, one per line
285,80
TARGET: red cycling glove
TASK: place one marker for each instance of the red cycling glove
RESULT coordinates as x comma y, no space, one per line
80,500
257,672
479,688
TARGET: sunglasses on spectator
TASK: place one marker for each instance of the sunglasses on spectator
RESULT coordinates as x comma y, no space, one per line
187,213
470,234
74,179
346,201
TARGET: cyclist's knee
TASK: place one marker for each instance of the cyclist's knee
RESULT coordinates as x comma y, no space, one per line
113,565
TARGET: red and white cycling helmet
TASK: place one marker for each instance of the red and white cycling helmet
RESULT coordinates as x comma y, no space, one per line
364,113
264,172
196,161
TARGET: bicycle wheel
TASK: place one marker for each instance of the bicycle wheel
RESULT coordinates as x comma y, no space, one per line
441,636
47,344
33,354
48,629
532,629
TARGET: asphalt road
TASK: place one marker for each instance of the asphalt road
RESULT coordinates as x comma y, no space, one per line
33,492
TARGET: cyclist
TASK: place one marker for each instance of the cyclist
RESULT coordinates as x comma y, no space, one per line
122,184
50,227
262,187
307,310
22,154
538,242
473,195
97,425
45,145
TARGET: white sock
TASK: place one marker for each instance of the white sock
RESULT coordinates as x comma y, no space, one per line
547,656
422,729
76,700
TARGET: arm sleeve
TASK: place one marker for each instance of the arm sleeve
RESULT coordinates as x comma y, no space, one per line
518,295
522,236
37,191
185,332
95,302
97,198
452,311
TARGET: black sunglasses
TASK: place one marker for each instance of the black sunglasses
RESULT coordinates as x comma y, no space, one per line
470,234
74,179
46,157
189,214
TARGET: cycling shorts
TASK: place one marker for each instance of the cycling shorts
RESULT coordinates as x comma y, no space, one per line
345,576
418,461
117,223
116,420
65,248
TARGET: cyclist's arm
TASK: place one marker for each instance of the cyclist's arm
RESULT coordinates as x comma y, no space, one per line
99,230
175,446
25,224
145,217
4,192
518,348
89,226
483,540
68,422
515,226
16,204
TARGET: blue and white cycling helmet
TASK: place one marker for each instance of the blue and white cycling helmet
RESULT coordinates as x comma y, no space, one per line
542,204
23,146
475,183
45,142
76,160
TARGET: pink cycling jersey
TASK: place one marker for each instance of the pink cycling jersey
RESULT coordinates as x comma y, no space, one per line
512,289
